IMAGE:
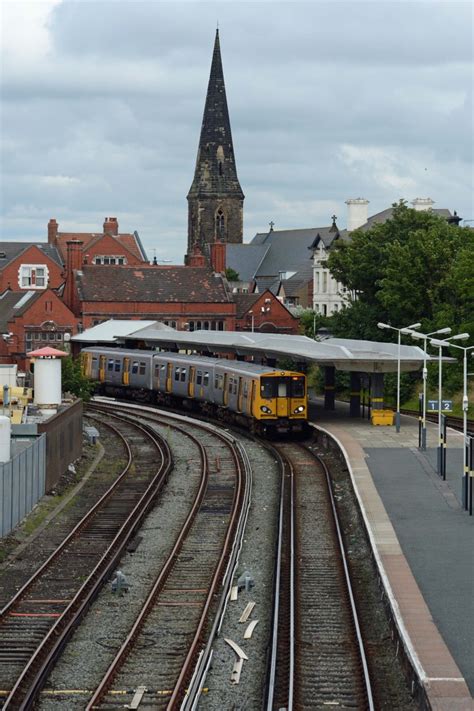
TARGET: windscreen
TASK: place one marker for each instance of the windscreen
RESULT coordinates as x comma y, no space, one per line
282,387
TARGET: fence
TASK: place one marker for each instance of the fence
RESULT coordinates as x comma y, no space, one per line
22,483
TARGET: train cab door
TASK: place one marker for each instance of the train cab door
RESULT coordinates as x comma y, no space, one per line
169,378
102,368
251,401
126,371
240,395
192,377
283,398
225,398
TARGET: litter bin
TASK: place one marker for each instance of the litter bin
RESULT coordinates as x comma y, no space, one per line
382,417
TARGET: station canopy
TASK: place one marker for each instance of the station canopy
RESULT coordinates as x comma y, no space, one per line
343,353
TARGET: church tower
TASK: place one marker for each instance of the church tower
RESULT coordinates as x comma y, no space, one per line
215,199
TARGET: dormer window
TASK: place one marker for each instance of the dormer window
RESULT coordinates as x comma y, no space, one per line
33,276
110,259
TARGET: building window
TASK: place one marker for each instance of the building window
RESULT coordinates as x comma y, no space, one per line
335,308
220,167
220,223
325,282
109,259
316,283
325,310
33,276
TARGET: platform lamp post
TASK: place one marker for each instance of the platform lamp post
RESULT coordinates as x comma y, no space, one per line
401,331
465,407
424,337
457,337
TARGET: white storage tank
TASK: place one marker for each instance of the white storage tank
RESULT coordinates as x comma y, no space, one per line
47,390
5,438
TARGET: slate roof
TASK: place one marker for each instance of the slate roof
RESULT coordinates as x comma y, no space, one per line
12,250
244,302
288,249
14,303
293,285
151,284
381,217
245,259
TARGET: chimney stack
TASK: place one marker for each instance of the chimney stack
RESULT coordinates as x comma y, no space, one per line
73,263
111,226
196,258
422,204
357,213
218,257
52,231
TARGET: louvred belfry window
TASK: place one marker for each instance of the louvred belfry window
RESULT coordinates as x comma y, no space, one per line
220,223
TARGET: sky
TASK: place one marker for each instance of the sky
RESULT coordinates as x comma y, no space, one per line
103,101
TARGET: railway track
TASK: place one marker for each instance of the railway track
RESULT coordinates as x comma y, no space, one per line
456,423
186,594
317,657
37,621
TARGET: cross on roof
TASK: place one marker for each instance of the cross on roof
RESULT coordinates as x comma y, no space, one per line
271,223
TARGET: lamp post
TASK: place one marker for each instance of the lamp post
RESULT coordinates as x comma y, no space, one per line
465,405
424,337
253,320
405,331
457,337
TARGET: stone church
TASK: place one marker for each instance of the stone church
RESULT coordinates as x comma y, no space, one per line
215,199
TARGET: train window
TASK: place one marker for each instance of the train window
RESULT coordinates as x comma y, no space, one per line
282,389
246,388
268,387
94,359
176,373
183,375
157,370
134,367
110,364
297,387
142,368
117,366
206,379
199,377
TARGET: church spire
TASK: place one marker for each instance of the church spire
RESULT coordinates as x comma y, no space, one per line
215,198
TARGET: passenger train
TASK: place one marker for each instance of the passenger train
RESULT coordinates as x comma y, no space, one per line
262,398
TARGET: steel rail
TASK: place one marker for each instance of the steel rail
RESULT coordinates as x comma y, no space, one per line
285,465
64,625
355,616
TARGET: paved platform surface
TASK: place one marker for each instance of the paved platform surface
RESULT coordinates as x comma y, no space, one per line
424,541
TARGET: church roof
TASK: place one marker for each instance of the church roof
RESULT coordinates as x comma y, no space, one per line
215,171
245,259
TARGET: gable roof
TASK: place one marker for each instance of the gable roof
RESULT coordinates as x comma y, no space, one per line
245,259
12,250
128,241
14,303
152,284
287,249
244,302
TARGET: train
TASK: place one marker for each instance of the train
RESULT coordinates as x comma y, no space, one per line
265,400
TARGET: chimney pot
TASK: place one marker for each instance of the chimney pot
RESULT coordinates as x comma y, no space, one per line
52,231
111,226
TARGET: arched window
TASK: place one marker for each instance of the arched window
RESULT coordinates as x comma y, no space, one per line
220,223
220,167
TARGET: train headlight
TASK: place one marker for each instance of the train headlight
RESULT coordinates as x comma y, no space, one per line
266,410
298,410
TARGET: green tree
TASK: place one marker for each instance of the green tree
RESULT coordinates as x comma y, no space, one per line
231,274
311,322
73,380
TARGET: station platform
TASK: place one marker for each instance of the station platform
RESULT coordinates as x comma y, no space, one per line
423,541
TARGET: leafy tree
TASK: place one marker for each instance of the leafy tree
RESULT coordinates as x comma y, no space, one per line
231,274
73,380
311,322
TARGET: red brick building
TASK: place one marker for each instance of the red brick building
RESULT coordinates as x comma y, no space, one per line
109,247
30,320
33,266
264,313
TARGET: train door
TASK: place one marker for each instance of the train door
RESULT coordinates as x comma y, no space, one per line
102,368
86,364
240,395
192,371
283,397
252,396
126,371
169,378
226,389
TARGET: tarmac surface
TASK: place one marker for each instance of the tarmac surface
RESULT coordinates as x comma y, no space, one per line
425,542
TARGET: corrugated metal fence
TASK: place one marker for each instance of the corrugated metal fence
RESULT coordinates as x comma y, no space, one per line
22,483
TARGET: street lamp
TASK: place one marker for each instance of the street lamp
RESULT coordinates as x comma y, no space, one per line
465,405
424,337
253,319
405,331
457,337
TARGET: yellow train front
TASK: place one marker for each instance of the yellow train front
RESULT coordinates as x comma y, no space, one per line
262,398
